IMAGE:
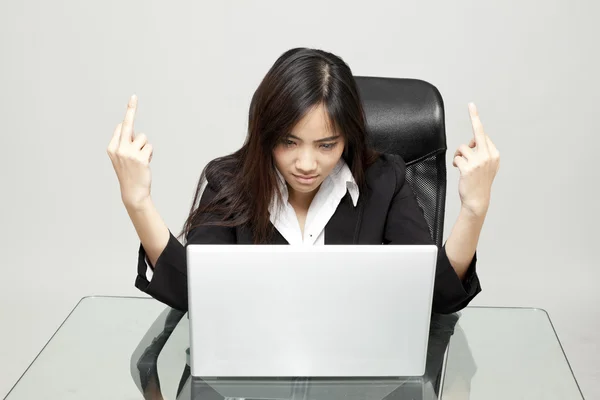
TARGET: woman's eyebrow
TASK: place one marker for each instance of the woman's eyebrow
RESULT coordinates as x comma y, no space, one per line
327,139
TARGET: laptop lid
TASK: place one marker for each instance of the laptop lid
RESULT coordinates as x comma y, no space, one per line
331,311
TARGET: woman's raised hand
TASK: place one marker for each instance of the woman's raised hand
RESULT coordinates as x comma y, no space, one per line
130,156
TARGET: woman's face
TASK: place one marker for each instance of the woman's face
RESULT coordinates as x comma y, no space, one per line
308,155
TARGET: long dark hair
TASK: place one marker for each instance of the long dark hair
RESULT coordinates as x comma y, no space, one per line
245,181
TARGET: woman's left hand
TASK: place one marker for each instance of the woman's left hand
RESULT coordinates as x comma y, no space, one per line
478,164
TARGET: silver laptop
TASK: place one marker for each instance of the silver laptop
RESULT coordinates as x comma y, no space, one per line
309,311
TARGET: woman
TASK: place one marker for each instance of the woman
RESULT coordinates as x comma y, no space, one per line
304,175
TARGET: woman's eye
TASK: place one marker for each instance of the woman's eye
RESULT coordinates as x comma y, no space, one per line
287,142
328,146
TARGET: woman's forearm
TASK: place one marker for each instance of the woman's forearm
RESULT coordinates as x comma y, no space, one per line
151,229
463,239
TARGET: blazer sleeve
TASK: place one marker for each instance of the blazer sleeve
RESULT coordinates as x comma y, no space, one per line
406,224
169,280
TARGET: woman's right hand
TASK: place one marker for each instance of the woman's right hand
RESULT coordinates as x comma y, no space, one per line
130,156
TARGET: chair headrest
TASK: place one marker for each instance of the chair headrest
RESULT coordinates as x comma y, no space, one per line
404,116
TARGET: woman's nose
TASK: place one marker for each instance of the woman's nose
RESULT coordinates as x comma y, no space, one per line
306,162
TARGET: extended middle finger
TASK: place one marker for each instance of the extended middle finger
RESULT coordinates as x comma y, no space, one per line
478,131
127,128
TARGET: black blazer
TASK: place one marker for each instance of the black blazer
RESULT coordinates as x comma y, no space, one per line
387,214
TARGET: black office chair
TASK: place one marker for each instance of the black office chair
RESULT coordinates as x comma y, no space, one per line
404,117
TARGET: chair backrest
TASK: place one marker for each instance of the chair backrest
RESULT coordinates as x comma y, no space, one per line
406,117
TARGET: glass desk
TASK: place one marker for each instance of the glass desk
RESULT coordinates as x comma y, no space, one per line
136,348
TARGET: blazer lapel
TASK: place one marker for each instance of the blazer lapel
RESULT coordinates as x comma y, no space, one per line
344,223
244,236
278,238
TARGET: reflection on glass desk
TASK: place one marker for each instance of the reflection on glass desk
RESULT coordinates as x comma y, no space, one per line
135,348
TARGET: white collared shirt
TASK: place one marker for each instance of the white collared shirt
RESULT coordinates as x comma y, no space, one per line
321,209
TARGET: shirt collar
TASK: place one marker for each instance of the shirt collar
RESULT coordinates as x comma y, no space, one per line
340,177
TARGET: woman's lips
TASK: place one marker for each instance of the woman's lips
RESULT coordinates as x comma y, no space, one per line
305,180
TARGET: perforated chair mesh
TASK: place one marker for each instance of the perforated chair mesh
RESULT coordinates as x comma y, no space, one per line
427,178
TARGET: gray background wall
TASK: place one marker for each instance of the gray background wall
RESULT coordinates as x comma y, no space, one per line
68,69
